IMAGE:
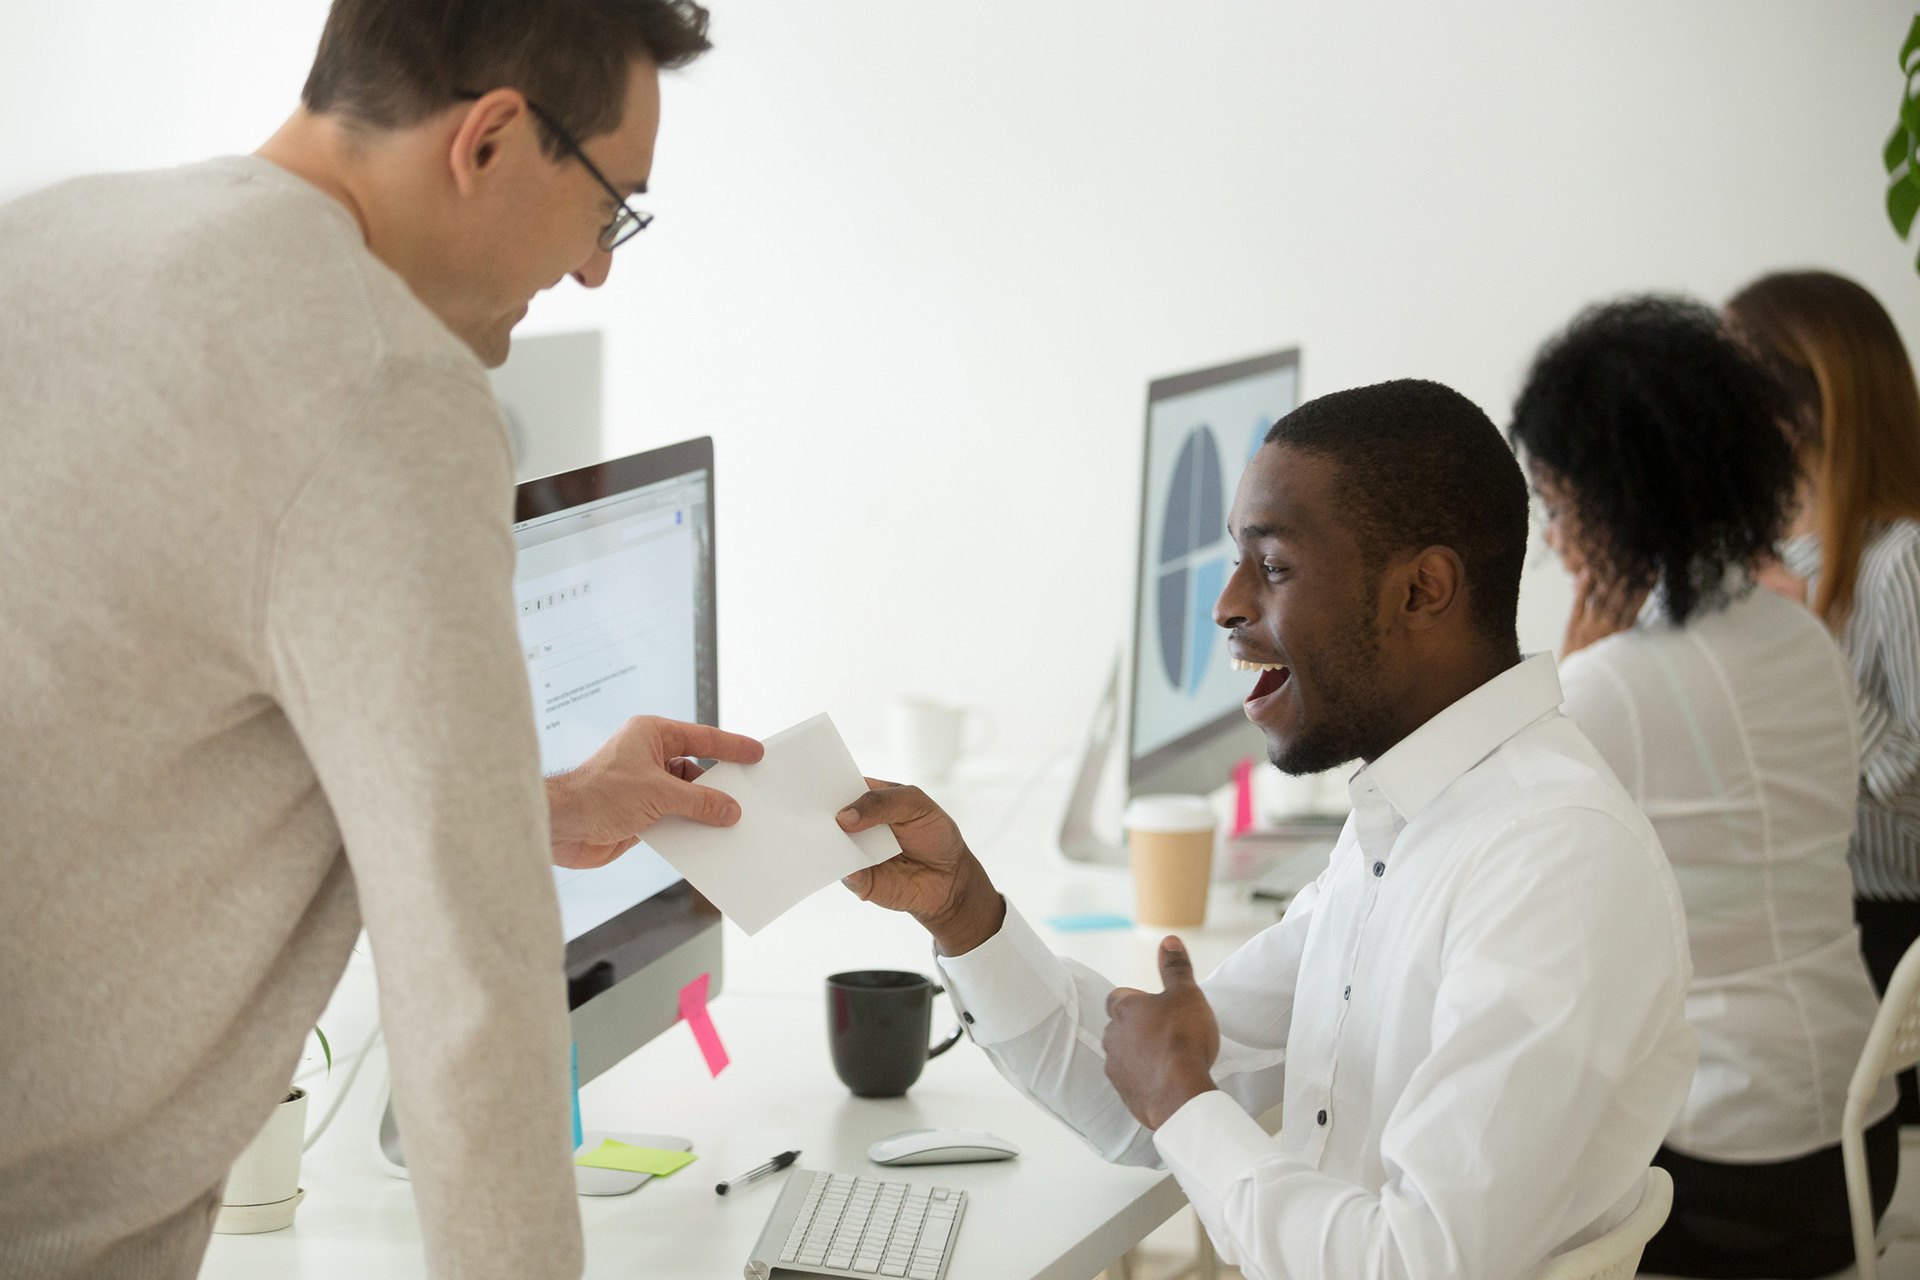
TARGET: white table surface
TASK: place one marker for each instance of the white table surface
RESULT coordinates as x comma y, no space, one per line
1057,1212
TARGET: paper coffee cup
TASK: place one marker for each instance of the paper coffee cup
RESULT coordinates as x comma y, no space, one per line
1170,839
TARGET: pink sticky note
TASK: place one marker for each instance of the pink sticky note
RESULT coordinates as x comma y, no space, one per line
693,1007
1243,797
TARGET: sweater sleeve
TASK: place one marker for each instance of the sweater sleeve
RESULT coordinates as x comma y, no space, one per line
390,638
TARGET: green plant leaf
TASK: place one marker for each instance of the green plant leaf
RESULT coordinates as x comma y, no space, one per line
1903,201
1900,152
322,1036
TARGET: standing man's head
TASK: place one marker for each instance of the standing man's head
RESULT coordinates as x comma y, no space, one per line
488,147
1381,532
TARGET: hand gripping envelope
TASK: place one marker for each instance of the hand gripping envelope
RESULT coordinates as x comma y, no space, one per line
787,844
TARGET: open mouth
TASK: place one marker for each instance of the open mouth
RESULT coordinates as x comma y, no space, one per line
1272,676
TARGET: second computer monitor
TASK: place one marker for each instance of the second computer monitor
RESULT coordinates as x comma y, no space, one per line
1185,724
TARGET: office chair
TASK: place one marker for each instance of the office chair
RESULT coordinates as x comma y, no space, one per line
1892,1046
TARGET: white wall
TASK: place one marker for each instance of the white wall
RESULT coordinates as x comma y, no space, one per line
915,263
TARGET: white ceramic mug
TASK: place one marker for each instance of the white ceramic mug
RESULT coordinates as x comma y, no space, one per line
929,737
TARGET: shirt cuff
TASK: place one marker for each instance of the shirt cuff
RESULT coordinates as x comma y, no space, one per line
1211,1143
1008,984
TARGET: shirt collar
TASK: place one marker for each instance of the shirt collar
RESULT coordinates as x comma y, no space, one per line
1424,763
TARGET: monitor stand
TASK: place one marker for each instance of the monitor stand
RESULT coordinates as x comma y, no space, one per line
1079,841
1249,856
619,1182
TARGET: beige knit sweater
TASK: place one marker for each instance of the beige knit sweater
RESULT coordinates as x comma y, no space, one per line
259,681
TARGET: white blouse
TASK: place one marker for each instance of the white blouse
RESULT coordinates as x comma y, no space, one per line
1738,737
1472,1018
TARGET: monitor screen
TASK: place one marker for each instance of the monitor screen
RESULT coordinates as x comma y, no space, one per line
616,620
1202,430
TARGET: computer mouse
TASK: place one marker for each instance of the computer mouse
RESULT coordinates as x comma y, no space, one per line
940,1146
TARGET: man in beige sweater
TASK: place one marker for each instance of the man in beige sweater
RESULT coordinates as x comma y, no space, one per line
262,681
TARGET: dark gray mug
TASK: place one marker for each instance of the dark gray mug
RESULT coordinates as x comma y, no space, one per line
877,1026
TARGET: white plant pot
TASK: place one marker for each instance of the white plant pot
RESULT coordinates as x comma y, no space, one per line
263,1188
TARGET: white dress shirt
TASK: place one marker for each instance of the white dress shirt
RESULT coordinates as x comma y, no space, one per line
1737,736
1472,1018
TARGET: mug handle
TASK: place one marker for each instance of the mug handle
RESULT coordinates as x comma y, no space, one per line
935,1051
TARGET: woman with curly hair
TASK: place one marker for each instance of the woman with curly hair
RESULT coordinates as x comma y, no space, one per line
1728,713
1855,416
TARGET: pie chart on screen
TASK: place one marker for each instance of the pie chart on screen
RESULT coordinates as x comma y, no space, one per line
1192,566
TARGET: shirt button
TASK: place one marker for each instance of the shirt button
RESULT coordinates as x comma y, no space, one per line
967,1018
1379,868
1347,994
1321,1118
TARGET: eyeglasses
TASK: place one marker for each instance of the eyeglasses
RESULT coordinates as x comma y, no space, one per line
628,221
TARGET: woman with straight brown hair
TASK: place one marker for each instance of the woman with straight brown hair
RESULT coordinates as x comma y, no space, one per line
1855,558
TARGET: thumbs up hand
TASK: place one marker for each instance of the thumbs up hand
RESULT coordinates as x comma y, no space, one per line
1160,1049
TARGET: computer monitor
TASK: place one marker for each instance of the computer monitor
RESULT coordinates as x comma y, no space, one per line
614,583
549,394
1172,712
614,580
1185,727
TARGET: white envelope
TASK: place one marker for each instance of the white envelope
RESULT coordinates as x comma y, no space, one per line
787,844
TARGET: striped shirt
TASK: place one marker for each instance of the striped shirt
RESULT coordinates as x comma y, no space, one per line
1882,640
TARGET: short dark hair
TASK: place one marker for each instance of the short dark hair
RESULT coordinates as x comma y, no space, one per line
1423,466
1666,436
387,64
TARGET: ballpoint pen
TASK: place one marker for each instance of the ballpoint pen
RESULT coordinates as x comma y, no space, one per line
774,1165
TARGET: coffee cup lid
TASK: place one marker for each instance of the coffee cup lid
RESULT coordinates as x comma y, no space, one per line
1170,814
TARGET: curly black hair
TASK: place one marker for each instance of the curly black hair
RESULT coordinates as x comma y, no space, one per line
1666,438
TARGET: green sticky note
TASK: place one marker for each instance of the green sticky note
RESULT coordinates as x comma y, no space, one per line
619,1155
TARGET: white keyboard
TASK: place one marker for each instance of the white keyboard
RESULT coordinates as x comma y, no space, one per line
835,1224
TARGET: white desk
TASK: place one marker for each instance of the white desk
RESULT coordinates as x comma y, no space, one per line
1058,1212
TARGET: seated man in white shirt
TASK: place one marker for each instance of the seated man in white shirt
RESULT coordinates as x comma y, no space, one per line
1473,1017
